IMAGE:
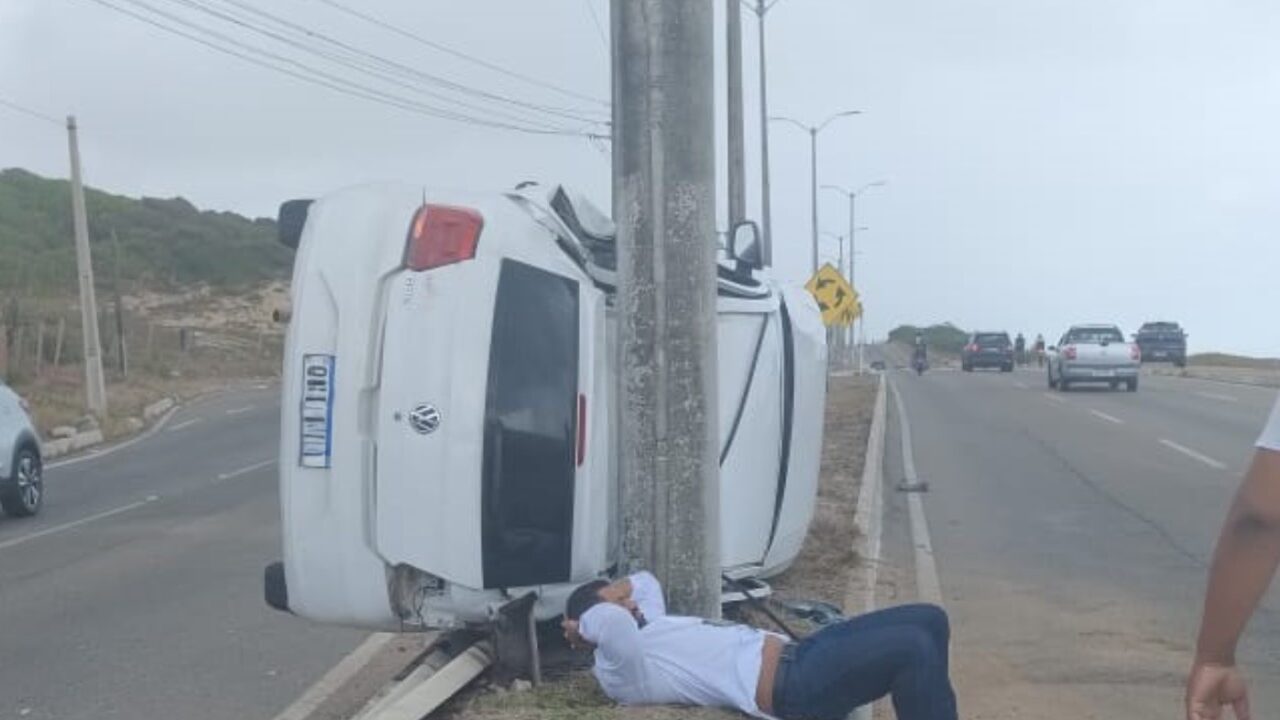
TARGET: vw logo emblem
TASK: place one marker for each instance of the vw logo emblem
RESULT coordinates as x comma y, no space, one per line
425,418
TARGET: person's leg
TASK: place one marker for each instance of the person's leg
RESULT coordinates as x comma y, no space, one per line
900,651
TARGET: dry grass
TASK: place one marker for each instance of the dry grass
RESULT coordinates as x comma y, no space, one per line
821,572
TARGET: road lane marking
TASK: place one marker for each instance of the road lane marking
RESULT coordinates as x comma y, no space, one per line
185,424
1055,398
239,410
928,587
1021,384
1108,418
347,668
1217,396
246,470
1194,455
13,542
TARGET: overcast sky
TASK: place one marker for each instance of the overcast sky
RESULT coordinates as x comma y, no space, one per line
1049,162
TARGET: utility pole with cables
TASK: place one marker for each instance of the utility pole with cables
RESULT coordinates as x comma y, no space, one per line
737,143
664,190
94,381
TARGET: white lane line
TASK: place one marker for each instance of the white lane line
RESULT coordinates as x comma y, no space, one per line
239,410
246,470
1217,396
1194,455
185,424
1109,418
76,523
1054,398
346,669
869,514
95,454
928,587
1022,385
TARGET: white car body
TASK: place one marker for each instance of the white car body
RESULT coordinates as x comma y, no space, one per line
17,434
1094,354
469,455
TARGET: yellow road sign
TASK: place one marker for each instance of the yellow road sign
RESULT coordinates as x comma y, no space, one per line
836,298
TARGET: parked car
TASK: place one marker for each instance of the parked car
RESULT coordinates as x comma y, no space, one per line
1162,341
21,464
987,349
1094,354
448,434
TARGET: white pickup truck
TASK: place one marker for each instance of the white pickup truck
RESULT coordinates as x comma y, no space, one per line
1094,354
448,400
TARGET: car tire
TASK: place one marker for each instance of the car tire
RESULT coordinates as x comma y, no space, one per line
1064,385
1115,384
966,368
1053,384
23,494
1006,368
1133,385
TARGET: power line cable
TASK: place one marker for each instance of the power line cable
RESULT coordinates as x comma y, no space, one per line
323,79
28,111
561,113
356,63
595,18
459,54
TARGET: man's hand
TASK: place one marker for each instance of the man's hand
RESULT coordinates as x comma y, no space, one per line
572,635
1211,687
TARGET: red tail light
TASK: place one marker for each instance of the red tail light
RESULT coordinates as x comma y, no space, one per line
1135,353
973,348
582,428
1069,352
442,235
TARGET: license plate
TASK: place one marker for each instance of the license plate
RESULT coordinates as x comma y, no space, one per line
317,411
1104,373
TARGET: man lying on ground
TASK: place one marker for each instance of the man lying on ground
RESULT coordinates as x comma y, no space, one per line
643,656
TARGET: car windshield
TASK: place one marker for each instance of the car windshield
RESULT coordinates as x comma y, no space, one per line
1095,336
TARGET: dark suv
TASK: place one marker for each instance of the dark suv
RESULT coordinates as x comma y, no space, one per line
988,349
1162,341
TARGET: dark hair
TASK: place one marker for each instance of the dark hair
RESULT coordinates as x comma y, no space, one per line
582,599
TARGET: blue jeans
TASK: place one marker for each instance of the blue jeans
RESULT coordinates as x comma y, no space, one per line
901,651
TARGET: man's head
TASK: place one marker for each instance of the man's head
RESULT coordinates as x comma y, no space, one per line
583,598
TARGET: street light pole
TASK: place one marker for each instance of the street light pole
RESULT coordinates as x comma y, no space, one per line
766,205
813,131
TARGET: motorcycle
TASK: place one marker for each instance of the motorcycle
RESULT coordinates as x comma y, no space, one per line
919,363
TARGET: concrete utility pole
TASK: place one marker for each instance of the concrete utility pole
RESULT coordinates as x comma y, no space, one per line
737,130
94,382
664,129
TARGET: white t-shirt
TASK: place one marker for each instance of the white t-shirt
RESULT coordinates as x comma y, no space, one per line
672,660
1270,439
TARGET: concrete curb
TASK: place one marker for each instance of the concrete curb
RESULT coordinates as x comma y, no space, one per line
860,597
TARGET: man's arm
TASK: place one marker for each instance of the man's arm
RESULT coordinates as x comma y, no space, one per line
646,591
1245,561
617,639
1244,565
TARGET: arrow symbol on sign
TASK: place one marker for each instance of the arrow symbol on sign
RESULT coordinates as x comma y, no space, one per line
823,282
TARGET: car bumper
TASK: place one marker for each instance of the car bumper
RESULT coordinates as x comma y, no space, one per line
988,360
1085,373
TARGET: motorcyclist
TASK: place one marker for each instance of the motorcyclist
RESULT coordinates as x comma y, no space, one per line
920,355
1039,350
1020,349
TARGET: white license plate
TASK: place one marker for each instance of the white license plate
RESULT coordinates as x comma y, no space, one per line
316,411
1104,373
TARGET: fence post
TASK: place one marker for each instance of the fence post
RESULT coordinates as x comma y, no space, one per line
57,344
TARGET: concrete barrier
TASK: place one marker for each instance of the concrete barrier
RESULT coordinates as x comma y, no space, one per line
156,409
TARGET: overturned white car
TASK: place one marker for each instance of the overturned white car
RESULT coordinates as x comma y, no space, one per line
447,423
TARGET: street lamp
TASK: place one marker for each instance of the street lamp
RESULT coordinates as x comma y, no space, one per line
760,9
853,230
813,131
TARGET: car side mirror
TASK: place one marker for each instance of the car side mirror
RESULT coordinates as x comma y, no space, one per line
745,245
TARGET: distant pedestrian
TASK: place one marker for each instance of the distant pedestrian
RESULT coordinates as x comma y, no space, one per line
1243,567
1020,349
1039,350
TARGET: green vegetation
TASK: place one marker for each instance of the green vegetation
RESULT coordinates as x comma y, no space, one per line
945,338
163,244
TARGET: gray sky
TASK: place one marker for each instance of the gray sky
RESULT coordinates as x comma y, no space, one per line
1049,162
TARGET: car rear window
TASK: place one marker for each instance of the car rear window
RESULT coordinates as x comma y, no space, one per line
1095,336
988,339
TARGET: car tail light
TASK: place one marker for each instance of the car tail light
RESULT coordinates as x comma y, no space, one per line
442,235
1135,352
1069,352
973,348
582,428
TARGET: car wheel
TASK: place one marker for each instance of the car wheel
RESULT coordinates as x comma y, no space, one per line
1053,384
1115,384
1007,368
1064,385
23,495
1133,385
966,367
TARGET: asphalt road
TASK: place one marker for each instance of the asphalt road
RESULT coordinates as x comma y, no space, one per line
1072,534
137,592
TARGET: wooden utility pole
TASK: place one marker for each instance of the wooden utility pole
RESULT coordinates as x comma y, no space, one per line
94,381
664,203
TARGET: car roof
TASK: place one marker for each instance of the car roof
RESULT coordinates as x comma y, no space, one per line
1096,326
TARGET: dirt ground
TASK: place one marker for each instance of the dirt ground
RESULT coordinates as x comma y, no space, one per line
821,572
